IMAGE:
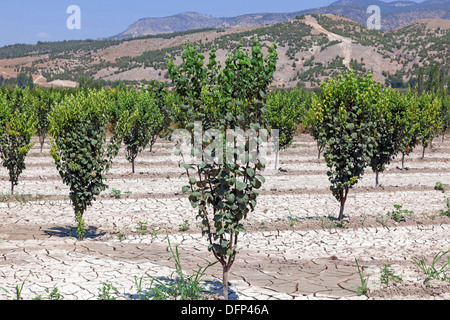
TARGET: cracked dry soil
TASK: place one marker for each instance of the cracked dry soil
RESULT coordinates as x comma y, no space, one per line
293,248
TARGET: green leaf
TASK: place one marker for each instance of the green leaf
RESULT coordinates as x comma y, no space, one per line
241,186
250,172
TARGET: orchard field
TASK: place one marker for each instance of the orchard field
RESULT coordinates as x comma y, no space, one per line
293,248
94,206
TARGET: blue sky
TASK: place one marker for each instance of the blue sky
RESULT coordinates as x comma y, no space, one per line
29,21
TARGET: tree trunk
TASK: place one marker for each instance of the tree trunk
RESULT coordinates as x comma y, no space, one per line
12,188
319,149
276,159
132,165
376,178
41,141
80,224
423,152
225,282
341,211
343,200
403,160
42,135
152,142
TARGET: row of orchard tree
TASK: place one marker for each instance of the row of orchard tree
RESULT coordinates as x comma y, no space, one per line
150,112
355,121
359,124
73,115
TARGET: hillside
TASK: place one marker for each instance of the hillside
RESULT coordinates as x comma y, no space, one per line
311,48
191,20
394,15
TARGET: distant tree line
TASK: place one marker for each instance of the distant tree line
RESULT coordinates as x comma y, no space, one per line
22,81
429,79
25,80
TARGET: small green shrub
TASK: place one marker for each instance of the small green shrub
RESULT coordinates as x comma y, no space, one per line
388,276
183,287
106,292
363,288
116,193
142,227
292,219
446,212
398,214
53,295
184,226
434,271
440,186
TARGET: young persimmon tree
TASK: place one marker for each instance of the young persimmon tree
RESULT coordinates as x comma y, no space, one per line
390,126
45,98
445,112
223,173
17,127
82,151
430,122
407,123
144,126
311,120
284,111
347,112
162,128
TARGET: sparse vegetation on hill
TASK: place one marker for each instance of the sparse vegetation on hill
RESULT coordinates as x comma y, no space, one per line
311,49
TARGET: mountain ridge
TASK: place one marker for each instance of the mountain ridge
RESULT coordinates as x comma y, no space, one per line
394,15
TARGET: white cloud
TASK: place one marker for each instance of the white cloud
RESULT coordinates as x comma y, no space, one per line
43,35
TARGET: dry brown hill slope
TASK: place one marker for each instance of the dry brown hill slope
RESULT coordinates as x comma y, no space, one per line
311,49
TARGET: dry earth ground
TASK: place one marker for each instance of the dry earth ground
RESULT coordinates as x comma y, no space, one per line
293,248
